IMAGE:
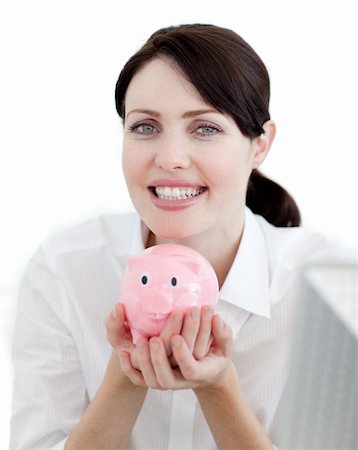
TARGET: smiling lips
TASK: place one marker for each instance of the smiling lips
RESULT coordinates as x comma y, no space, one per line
175,194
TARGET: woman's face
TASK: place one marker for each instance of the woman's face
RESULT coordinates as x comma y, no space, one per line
186,164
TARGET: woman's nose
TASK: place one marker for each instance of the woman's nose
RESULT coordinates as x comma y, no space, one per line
172,155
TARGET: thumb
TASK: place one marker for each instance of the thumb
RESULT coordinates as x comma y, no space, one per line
119,313
222,334
118,333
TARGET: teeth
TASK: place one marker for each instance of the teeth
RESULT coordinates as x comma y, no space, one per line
158,315
177,193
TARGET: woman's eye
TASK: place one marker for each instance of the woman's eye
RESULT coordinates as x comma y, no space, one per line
143,129
207,130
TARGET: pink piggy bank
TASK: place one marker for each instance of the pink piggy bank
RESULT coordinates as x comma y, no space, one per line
164,278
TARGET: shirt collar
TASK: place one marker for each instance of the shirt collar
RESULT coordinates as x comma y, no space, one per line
140,237
247,283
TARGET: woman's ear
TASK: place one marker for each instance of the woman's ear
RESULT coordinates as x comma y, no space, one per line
262,144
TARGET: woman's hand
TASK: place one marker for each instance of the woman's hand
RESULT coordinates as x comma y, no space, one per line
194,326
119,334
155,370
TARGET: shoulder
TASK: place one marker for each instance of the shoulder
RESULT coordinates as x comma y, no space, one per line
298,246
113,231
291,250
77,256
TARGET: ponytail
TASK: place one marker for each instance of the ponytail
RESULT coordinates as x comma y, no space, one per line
273,202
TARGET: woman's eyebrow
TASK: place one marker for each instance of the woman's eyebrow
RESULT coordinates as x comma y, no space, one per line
145,111
197,112
186,115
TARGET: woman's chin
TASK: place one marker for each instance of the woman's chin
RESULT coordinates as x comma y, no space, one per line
171,233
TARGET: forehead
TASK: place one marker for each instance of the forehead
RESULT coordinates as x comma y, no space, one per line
161,83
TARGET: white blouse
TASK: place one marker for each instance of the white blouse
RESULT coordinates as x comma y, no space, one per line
60,351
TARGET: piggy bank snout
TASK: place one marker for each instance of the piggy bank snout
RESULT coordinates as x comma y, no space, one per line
157,302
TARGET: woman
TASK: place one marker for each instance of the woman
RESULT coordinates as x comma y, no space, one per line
194,104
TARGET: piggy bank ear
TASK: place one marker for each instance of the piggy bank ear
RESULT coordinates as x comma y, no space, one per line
132,262
191,264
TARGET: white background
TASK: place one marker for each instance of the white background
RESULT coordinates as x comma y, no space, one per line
61,137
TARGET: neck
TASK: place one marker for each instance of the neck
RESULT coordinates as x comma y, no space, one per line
220,253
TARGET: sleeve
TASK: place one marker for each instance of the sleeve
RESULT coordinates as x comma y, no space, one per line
49,394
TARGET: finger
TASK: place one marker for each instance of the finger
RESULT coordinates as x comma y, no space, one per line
145,364
167,377
172,326
210,341
187,364
114,322
198,373
191,326
133,374
204,338
116,318
223,338
118,332
172,360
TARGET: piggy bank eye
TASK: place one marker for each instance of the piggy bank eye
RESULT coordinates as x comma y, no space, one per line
144,279
174,281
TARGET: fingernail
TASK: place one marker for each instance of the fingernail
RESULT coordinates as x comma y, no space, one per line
115,312
176,341
194,314
141,345
178,318
126,345
208,313
154,343
122,355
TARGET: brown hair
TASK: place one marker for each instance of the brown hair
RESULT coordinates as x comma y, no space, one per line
232,78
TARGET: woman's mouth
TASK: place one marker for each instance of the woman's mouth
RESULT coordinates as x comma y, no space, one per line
176,193
176,198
